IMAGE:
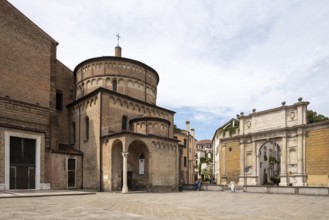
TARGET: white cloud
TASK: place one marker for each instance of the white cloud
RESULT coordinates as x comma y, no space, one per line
215,58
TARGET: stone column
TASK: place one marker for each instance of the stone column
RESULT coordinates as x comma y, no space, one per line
257,178
254,163
299,180
223,161
284,178
242,155
300,154
242,165
254,158
124,173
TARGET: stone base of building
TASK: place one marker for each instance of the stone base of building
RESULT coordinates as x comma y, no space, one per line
247,180
283,181
297,180
223,181
45,186
321,191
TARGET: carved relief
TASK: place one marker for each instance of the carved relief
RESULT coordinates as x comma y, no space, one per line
292,142
292,156
163,145
89,103
292,115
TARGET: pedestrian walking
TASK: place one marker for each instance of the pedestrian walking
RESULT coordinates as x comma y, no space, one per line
196,185
232,185
199,185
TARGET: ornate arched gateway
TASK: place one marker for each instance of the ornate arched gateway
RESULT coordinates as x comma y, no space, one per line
268,162
272,146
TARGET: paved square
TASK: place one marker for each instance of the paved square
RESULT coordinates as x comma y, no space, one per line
185,205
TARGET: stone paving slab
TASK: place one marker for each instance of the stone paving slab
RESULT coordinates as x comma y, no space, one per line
177,205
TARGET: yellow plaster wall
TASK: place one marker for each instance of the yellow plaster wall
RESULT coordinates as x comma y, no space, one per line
317,157
232,161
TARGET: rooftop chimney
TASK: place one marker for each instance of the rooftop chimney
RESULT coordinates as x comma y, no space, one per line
118,51
193,132
188,126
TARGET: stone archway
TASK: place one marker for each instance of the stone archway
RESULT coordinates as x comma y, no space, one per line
117,165
139,165
269,164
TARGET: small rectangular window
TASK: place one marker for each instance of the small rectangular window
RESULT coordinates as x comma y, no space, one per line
59,100
71,164
73,133
86,129
71,168
114,86
184,161
124,123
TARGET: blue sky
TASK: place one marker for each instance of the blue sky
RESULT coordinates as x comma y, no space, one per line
215,58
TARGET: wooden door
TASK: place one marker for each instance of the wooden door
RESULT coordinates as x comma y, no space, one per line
22,163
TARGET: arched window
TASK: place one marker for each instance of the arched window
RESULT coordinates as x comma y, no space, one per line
124,123
114,86
86,128
73,133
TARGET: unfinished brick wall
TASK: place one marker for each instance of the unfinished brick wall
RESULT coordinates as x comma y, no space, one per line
26,54
65,86
28,69
2,155
30,76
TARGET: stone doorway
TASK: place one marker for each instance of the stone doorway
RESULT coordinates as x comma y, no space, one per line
269,164
22,163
